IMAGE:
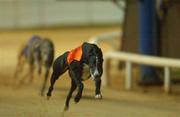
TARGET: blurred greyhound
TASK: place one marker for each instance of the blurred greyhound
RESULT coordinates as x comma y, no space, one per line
39,52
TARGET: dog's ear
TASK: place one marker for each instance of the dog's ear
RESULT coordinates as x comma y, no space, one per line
99,49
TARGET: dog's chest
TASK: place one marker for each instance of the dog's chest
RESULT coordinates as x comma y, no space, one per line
85,72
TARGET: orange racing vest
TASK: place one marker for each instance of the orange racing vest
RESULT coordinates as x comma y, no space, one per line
74,54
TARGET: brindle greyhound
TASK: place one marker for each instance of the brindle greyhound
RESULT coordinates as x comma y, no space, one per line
82,63
36,51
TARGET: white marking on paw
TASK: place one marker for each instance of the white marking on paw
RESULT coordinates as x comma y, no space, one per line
98,96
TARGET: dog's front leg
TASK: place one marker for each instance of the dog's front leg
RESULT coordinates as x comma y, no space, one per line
98,89
45,80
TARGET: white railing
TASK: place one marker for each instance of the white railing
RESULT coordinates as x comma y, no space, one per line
130,58
106,37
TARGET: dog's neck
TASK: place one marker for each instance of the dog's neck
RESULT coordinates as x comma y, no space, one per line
85,55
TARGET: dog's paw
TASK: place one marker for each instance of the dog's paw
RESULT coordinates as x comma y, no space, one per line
77,98
48,94
98,96
66,108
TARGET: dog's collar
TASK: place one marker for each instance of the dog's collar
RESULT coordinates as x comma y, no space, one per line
75,54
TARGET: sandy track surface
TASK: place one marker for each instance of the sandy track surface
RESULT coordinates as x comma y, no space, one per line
25,101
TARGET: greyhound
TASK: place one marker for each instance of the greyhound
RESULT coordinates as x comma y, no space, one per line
82,63
39,52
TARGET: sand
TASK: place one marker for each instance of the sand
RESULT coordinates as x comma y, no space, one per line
25,101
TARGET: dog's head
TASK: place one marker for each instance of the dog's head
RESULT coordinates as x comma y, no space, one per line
95,58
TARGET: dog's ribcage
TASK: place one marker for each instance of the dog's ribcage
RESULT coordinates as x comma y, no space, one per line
85,72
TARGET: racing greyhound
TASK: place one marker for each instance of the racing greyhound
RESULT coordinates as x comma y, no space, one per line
82,63
39,52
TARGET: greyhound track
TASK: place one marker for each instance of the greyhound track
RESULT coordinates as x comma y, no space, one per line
25,101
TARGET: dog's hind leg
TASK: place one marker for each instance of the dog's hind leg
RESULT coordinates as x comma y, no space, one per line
29,74
73,87
59,67
21,61
19,69
54,77
19,66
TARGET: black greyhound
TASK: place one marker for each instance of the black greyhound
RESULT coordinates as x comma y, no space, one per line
83,62
36,51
